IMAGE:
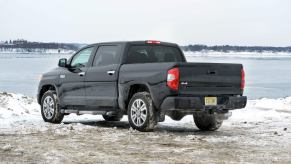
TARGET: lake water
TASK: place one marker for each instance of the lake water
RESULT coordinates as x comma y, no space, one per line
265,77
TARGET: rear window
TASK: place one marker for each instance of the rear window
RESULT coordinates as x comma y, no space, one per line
153,54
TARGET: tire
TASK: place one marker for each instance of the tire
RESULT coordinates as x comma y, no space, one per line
141,112
117,117
207,122
50,110
177,116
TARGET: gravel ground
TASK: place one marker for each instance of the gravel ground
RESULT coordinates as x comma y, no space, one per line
115,142
251,135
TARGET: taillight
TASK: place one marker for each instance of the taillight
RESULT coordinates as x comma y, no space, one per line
173,78
243,82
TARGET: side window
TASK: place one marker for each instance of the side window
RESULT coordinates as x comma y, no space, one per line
82,58
106,55
138,54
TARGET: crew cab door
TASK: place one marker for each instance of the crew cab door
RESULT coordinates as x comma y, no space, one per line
72,79
101,78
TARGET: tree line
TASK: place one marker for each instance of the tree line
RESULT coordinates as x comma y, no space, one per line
24,44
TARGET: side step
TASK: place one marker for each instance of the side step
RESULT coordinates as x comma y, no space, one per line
93,112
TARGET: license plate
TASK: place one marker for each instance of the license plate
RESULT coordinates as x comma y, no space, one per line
210,100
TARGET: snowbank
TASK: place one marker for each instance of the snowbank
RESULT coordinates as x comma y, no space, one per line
264,110
18,112
21,114
16,107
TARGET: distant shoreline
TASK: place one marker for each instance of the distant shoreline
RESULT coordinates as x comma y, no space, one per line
35,53
189,54
238,54
21,45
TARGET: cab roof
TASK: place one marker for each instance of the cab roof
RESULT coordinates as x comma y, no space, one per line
153,42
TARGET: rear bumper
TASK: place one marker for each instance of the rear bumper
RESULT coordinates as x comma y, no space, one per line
189,104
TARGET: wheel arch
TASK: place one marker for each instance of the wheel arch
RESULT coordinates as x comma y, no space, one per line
45,88
131,89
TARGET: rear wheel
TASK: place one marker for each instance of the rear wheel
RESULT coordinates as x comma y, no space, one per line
207,122
141,112
50,109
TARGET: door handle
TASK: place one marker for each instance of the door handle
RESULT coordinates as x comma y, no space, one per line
81,74
110,72
211,72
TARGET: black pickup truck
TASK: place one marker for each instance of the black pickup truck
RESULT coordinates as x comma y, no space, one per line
145,80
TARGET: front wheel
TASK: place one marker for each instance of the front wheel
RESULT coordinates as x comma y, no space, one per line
207,122
141,112
50,109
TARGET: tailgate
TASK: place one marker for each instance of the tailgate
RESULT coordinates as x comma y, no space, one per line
210,79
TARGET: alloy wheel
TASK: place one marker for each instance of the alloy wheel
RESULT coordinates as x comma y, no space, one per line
138,112
48,107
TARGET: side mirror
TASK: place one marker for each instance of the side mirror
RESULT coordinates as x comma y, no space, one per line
63,62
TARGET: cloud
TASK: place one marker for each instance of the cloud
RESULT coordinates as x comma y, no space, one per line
240,22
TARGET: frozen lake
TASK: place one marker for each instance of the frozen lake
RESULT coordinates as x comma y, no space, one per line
261,128
265,77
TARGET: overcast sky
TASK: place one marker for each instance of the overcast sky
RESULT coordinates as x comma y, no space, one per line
211,22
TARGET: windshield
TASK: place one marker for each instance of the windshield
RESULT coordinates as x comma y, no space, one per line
154,54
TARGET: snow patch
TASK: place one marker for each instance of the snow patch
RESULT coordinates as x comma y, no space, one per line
20,113
17,107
